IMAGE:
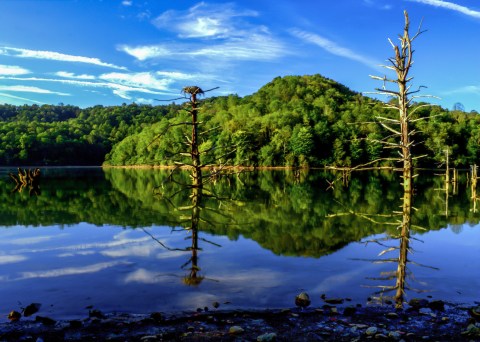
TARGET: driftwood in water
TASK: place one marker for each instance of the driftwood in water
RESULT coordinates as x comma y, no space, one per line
27,177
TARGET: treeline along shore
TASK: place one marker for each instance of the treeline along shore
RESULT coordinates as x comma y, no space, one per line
293,121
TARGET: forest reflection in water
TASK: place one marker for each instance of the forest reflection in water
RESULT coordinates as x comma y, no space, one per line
256,239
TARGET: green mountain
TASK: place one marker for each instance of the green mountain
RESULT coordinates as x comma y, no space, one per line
291,121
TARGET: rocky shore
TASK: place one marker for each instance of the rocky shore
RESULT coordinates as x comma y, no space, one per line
421,320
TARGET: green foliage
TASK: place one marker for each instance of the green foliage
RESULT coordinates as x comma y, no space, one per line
286,214
291,121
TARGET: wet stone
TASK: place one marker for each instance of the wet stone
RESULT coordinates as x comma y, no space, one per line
392,315
236,330
267,337
349,311
438,305
371,331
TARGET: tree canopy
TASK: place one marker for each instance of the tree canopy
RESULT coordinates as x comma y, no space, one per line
291,121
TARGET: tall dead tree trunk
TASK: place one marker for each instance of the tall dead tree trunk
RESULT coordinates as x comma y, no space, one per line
401,64
193,91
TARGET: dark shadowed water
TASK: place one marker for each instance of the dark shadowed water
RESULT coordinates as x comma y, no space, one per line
125,240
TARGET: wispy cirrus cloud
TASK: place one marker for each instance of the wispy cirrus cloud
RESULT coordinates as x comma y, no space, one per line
121,84
205,21
13,70
257,47
214,33
10,96
29,89
74,76
451,6
56,56
333,47
471,89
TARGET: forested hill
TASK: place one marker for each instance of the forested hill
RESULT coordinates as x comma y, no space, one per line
294,120
300,121
68,135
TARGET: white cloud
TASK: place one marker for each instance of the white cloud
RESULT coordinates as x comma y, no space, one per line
464,90
9,96
141,79
204,21
256,47
12,70
8,259
51,55
451,6
372,3
70,270
127,2
143,53
29,89
118,89
72,75
332,47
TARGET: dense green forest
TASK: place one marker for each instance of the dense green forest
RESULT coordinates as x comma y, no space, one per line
291,121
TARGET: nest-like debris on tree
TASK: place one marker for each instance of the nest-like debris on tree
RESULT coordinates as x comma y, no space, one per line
192,90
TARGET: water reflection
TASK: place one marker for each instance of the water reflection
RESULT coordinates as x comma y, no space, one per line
275,228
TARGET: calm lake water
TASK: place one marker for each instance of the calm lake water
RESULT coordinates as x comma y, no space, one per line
121,240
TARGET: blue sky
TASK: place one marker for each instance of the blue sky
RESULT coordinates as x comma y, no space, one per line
89,52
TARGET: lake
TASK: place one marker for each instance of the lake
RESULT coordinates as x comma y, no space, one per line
133,240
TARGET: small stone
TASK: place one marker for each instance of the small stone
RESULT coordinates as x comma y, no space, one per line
95,314
392,315
235,330
417,303
395,335
156,316
216,305
334,311
425,311
31,309
267,337
14,316
205,309
45,320
149,338
361,326
75,324
349,311
438,305
302,300
445,319
371,331
381,337
334,301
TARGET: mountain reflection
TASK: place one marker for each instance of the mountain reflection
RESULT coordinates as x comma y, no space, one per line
285,212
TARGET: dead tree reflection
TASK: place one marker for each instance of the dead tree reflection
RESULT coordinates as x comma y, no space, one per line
198,192
27,178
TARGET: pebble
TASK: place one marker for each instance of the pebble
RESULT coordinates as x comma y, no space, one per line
392,315
395,335
267,337
334,301
425,311
381,337
235,330
371,331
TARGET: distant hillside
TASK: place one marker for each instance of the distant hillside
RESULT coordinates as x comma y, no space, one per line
301,121
291,121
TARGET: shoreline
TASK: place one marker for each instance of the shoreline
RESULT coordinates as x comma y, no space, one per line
421,320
